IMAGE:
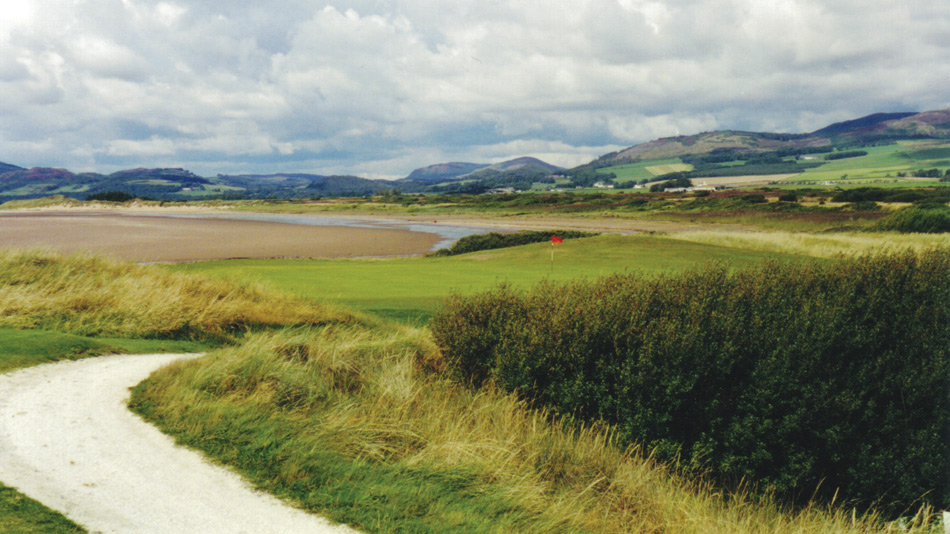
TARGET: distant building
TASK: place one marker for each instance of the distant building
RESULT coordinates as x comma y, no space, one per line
602,185
502,191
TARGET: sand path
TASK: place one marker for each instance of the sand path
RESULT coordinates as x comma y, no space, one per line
68,440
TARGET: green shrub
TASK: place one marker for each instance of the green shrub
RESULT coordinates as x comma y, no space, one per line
917,219
493,240
804,379
788,197
754,198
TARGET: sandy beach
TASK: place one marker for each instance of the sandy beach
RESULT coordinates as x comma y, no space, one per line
150,238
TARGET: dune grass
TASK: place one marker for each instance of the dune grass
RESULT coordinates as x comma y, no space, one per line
360,425
410,290
825,245
92,296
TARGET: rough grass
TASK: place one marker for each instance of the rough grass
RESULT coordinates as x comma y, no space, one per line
359,425
829,245
92,296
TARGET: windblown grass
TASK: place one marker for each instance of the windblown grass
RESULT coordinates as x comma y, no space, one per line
92,296
359,425
829,245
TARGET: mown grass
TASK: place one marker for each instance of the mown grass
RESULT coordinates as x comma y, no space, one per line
20,514
24,348
412,289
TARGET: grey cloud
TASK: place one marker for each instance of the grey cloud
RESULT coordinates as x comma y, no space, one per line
375,84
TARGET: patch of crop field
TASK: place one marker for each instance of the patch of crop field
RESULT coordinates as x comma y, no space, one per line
659,170
883,163
412,289
646,170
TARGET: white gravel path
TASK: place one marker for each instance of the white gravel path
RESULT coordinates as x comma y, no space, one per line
68,440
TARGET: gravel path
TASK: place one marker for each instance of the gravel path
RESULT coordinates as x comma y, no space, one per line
68,440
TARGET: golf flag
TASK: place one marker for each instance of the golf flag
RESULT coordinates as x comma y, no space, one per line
555,240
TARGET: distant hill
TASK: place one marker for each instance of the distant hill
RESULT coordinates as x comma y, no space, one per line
863,123
446,172
875,128
6,167
346,186
518,163
441,172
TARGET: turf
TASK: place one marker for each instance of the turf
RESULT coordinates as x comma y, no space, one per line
24,348
410,290
20,514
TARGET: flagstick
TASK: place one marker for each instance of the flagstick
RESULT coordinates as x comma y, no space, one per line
552,257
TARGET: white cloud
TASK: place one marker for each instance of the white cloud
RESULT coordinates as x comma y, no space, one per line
384,86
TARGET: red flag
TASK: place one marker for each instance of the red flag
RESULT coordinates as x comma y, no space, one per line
555,240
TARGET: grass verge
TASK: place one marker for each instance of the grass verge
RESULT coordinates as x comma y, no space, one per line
20,514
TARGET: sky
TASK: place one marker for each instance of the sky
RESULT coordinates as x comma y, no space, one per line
377,88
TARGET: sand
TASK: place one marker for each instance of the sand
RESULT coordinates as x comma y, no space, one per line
68,440
148,238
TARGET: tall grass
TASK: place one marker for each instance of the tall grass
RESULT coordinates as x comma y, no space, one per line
362,425
89,295
827,245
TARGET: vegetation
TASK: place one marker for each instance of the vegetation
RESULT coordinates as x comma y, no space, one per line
924,219
410,290
358,420
494,240
91,296
20,514
23,348
806,379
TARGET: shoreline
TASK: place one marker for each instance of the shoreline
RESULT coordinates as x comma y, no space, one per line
156,238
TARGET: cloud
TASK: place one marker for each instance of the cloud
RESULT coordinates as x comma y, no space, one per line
384,86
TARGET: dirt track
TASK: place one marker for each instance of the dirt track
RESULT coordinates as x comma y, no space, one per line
68,440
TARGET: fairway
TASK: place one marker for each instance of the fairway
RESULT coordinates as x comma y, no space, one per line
412,289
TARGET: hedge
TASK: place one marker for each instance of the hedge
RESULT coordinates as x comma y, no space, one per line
824,379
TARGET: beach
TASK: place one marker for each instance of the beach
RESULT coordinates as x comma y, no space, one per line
155,238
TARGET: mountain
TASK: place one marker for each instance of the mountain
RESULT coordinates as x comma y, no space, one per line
442,172
6,167
445,172
521,162
875,128
864,123
346,186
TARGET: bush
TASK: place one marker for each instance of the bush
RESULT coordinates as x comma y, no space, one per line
917,219
493,240
788,197
111,196
754,198
826,378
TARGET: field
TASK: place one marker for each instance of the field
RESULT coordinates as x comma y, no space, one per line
411,289
879,168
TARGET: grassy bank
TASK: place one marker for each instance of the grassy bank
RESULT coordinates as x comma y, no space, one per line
360,425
